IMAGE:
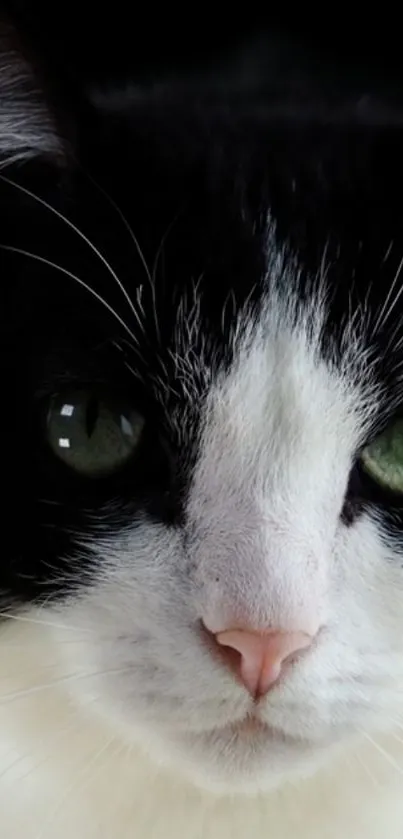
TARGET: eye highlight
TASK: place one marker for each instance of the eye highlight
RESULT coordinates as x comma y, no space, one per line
93,434
383,459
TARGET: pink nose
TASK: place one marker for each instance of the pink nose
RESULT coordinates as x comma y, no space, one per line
260,658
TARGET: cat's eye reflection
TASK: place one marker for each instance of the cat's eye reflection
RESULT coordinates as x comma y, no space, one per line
383,458
92,434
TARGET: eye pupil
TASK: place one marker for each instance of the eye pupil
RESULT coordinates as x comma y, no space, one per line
92,415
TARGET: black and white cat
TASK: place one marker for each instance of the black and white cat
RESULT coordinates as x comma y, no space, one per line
201,579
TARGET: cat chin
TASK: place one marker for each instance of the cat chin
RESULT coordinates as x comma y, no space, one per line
237,758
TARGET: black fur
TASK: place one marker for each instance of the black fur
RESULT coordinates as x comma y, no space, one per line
195,161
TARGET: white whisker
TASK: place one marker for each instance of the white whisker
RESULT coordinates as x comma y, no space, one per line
388,251
50,501
61,680
389,759
25,619
56,740
33,645
154,275
396,737
82,236
133,372
385,312
77,780
139,301
397,722
367,770
123,218
72,276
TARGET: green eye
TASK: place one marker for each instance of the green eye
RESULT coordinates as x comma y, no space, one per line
383,459
92,435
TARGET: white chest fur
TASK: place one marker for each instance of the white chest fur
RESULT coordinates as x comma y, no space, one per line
64,775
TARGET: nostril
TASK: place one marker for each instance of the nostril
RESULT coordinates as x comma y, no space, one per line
231,657
226,657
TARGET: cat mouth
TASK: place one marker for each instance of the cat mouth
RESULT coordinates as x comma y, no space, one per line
252,726
249,725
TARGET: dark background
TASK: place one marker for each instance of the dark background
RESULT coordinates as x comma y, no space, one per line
86,37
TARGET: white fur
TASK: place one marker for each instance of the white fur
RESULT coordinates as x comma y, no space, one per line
134,737
26,127
59,779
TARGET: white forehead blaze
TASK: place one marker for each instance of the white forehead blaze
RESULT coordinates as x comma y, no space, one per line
280,433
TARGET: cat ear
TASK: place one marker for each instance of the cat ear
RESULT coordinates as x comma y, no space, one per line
27,128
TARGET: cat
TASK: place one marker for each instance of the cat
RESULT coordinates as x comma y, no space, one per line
201,582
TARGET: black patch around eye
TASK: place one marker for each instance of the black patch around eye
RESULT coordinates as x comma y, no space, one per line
46,557
364,493
353,502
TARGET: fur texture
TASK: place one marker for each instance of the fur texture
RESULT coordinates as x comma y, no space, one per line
225,258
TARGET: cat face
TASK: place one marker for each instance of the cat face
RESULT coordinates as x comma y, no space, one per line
201,352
